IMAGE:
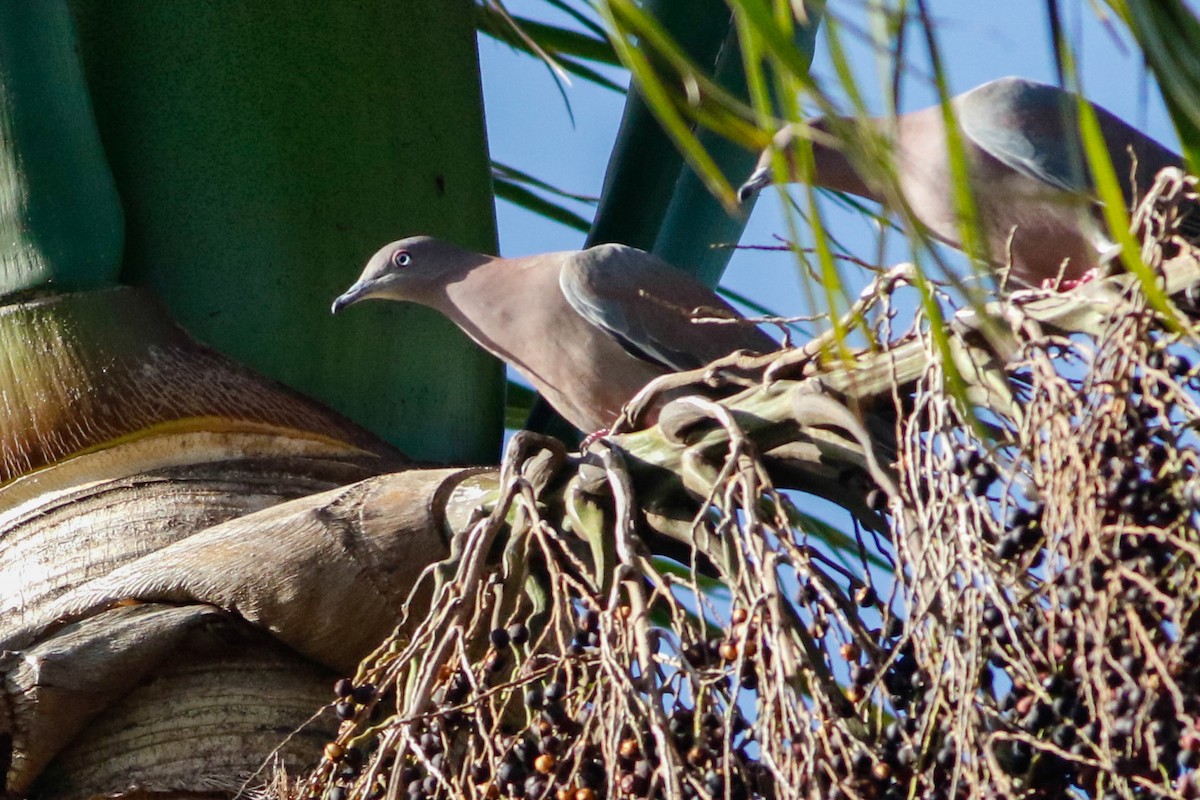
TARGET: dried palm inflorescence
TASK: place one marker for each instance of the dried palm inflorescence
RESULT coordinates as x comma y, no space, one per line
1014,617
1062,562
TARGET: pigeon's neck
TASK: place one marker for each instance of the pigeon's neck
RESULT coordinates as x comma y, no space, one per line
496,301
469,288
832,168
460,268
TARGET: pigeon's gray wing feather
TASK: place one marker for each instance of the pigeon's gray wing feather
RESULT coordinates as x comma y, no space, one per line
649,306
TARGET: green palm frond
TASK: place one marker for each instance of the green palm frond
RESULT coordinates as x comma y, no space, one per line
561,49
518,187
1166,32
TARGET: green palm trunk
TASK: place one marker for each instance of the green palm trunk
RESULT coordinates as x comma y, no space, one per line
60,222
264,151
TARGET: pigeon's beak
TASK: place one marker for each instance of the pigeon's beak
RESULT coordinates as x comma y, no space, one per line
758,180
351,296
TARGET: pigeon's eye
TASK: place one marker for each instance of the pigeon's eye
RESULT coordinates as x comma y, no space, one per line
401,258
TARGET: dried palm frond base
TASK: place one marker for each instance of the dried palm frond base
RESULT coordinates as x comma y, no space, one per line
1014,613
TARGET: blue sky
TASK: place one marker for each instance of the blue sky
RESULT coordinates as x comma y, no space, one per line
529,127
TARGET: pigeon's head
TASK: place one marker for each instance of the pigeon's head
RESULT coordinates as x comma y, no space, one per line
412,269
831,138
782,142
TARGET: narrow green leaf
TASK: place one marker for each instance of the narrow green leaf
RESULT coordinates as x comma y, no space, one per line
625,14
552,38
973,242
837,540
517,176
707,101
492,23
518,195
711,587
645,165
685,92
1108,188
775,40
579,16
1167,32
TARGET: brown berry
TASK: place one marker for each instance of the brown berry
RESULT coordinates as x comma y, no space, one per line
629,749
881,771
851,651
544,763
855,694
749,648
334,751
585,794
728,651
740,615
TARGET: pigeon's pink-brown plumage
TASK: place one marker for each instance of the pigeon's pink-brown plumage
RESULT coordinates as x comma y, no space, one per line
587,328
1028,173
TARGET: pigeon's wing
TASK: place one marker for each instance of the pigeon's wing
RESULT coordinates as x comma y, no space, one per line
651,308
1033,128
1030,128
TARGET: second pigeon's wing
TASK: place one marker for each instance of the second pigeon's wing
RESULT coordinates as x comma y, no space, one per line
1029,127
1033,128
649,307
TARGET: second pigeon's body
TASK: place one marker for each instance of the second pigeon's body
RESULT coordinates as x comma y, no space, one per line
587,328
1029,175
